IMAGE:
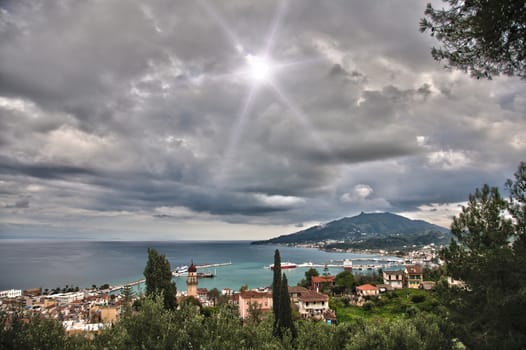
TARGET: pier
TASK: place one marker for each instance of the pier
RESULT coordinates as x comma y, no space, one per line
141,281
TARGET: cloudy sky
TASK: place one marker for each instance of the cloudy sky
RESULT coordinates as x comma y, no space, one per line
124,119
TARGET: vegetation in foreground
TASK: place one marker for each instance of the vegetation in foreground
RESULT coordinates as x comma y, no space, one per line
190,327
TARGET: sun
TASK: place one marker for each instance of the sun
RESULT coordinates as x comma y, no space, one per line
259,68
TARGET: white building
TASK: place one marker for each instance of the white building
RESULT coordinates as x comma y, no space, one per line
312,304
67,298
11,293
394,278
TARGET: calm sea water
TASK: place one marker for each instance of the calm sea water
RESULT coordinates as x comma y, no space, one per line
50,264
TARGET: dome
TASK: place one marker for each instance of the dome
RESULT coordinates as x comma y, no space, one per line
192,268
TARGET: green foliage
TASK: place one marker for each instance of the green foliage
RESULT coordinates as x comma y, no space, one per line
420,332
345,281
16,332
368,278
307,281
487,255
158,277
155,327
484,38
285,322
390,305
127,299
433,274
276,289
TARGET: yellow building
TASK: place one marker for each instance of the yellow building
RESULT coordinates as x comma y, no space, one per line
191,281
415,275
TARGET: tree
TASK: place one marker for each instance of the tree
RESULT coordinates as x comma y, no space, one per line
285,321
127,299
213,295
276,288
345,281
18,332
483,37
517,208
158,277
484,253
307,281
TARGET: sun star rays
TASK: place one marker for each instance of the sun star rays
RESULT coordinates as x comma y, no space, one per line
259,71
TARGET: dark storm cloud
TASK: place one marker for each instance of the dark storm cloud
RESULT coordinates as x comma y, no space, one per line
122,109
42,171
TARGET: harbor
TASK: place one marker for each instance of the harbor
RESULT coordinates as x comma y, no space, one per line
179,271
365,264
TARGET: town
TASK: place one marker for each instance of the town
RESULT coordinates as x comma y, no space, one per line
87,311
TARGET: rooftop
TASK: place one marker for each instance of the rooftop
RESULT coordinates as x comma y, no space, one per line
367,287
311,296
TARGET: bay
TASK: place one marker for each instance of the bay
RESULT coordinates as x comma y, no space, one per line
51,264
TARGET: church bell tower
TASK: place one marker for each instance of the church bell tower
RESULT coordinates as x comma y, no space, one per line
191,281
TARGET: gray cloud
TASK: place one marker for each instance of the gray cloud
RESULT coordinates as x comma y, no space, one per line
133,111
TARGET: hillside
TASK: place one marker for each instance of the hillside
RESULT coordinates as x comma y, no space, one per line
369,231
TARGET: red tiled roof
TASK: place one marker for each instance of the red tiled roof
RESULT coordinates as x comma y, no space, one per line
367,287
323,279
297,289
253,294
414,269
312,296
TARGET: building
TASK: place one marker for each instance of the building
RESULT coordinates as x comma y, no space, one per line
312,304
451,282
382,288
367,290
394,278
104,314
191,281
414,276
347,265
263,301
32,292
295,292
427,285
320,282
67,298
11,293
202,295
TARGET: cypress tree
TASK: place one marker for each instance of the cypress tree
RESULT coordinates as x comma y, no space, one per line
285,309
276,291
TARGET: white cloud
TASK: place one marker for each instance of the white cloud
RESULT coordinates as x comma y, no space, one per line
360,192
279,201
437,213
448,160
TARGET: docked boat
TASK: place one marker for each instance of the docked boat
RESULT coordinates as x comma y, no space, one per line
180,271
285,265
205,275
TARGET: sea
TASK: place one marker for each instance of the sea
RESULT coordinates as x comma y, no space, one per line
51,264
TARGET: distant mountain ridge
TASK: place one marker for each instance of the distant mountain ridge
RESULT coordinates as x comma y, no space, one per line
369,230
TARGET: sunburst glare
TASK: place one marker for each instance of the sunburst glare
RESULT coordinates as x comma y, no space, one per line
260,68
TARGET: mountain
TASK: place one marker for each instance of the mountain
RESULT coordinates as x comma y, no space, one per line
369,231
